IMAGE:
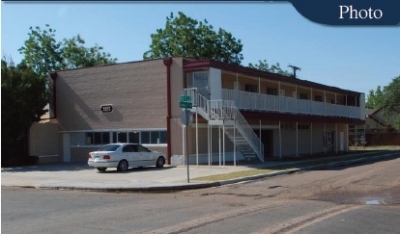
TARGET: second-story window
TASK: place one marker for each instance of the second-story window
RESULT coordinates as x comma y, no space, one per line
318,98
250,88
272,91
303,95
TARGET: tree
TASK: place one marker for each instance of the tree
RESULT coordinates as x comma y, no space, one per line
77,55
184,36
264,66
391,101
23,98
43,53
375,98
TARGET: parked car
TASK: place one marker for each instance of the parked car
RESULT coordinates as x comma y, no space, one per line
124,156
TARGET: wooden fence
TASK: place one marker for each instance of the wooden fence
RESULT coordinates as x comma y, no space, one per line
392,138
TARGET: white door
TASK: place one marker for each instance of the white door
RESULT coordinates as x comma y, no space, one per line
66,147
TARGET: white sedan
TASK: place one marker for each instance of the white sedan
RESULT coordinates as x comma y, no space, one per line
124,156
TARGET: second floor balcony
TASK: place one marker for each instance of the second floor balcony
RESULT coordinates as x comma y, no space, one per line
282,104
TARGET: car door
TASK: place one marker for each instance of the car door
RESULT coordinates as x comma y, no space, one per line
129,155
146,156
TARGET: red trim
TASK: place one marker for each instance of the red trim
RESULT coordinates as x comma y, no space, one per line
298,117
168,62
53,76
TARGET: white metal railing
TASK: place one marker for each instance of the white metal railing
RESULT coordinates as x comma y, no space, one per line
249,134
223,110
264,102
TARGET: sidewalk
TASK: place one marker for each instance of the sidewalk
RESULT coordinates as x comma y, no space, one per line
79,176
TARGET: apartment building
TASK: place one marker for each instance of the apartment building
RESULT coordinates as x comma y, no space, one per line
238,113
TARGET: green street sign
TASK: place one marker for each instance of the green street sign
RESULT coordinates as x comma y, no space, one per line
185,102
186,105
185,98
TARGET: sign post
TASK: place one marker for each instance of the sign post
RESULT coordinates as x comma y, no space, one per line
186,118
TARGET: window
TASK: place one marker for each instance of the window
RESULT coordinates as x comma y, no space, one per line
318,98
272,91
303,127
134,137
250,88
97,138
127,148
109,148
145,138
303,95
137,137
154,137
120,137
142,149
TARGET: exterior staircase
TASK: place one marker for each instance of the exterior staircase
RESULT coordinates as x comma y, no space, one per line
224,112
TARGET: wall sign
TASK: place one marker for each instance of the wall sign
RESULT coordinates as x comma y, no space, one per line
108,108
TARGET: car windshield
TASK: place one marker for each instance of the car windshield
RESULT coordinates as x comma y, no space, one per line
109,148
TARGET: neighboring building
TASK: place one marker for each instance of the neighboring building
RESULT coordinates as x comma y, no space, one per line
241,112
377,130
378,120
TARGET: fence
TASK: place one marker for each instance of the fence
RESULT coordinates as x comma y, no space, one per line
391,138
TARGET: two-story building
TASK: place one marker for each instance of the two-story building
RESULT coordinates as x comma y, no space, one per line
238,112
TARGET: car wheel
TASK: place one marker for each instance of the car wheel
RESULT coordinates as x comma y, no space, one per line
160,162
102,169
122,165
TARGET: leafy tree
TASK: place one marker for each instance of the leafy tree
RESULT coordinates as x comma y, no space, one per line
43,53
264,66
391,101
184,36
23,97
375,98
77,55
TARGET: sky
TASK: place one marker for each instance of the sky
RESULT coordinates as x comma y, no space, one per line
358,58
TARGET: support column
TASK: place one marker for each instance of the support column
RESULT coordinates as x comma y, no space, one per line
209,144
280,140
279,97
297,139
336,138
219,142
260,135
223,142
197,139
234,144
326,139
311,131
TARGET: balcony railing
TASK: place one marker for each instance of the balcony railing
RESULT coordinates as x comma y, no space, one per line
264,102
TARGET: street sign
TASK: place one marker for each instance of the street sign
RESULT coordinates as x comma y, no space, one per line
185,102
106,108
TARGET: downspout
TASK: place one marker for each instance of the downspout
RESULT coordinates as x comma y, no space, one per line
53,76
168,62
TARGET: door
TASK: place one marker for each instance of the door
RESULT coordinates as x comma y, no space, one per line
129,152
148,158
267,140
200,81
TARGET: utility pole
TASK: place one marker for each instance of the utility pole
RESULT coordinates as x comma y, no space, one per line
294,70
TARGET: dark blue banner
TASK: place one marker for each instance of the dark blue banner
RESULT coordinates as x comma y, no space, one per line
350,12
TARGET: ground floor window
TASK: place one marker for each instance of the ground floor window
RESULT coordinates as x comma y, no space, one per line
142,136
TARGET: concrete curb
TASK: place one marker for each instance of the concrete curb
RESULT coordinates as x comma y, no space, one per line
328,165
202,185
